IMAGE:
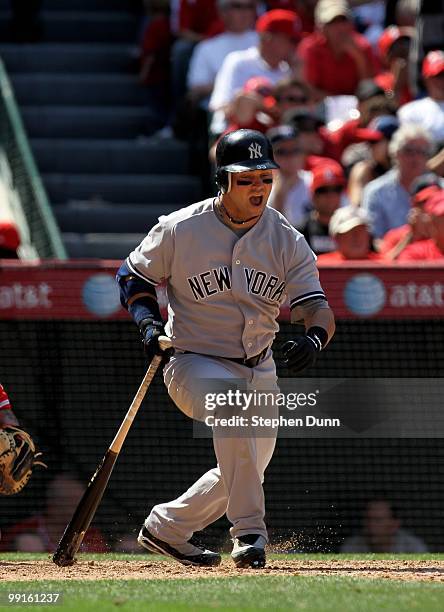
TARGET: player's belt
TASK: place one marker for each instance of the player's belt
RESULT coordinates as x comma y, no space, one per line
251,362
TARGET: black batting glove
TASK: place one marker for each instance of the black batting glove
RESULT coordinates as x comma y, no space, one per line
302,353
150,331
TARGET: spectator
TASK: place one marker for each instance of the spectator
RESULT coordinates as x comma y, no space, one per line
292,93
394,47
254,107
279,33
372,103
238,17
155,52
9,240
433,248
349,228
418,221
382,532
42,532
336,57
7,417
428,112
387,199
198,19
260,105
378,135
303,8
327,186
309,126
291,188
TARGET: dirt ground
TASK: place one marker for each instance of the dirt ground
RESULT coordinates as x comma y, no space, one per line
164,570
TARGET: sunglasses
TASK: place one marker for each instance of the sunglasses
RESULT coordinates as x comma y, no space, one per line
288,152
332,189
415,151
293,99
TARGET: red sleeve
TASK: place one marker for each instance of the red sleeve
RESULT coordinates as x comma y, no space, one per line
156,36
312,59
185,15
5,404
392,238
7,417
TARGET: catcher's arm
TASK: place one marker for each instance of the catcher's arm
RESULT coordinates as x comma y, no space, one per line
7,417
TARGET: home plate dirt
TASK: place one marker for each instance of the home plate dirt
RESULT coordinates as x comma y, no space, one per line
164,570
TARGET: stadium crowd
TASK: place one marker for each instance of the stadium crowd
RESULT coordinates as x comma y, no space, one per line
357,133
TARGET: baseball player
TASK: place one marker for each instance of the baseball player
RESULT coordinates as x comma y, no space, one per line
229,262
18,454
7,417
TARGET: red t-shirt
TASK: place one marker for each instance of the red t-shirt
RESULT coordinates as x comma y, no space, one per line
392,238
386,80
421,250
337,257
343,137
199,16
334,75
93,541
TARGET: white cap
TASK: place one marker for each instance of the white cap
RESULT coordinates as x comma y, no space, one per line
346,218
327,10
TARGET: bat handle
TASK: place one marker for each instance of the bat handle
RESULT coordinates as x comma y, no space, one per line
165,343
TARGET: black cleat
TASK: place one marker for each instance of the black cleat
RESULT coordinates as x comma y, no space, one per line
197,555
249,551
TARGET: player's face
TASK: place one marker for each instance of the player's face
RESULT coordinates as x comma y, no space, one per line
249,193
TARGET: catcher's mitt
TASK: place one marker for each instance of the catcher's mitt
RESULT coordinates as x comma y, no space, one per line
17,459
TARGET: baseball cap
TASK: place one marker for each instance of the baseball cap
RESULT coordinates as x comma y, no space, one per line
9,236
346,218
327,10
281,133
433,64
280,21
389,36
327,174
381,127
435,206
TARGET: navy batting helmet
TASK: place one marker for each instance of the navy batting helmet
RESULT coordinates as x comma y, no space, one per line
241,151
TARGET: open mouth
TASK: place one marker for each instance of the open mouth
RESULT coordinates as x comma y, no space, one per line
256,200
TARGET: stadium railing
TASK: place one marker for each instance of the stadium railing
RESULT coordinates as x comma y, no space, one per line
19,174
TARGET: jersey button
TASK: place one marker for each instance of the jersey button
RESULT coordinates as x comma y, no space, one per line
250,322
250,344
237,261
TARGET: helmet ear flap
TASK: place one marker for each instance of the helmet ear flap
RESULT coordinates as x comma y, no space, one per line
222,180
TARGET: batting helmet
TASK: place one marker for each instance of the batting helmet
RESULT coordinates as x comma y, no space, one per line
241,151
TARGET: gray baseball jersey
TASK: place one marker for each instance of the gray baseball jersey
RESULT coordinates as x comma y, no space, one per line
225,291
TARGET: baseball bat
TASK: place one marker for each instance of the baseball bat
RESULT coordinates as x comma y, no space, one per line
87,506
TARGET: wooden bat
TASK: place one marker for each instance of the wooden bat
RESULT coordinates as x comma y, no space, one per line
87,506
